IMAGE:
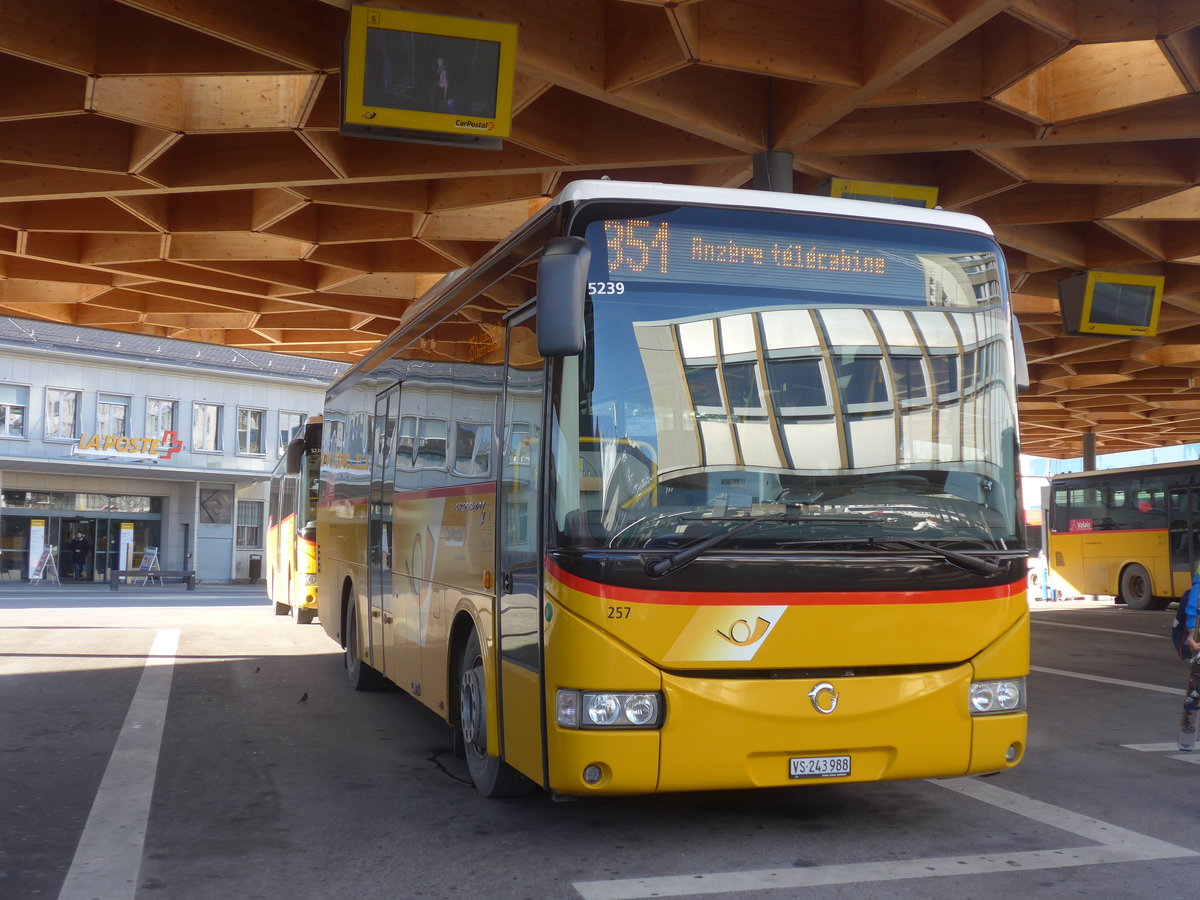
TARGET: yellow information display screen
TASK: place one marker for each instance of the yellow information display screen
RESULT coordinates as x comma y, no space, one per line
429,73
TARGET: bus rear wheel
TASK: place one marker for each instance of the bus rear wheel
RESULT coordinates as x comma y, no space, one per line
493,778
1135,588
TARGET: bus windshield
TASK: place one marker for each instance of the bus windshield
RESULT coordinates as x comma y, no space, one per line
844,379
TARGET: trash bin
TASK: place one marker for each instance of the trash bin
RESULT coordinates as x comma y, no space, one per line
255,566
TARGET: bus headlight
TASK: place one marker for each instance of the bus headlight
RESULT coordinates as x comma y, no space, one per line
609,709
1003,696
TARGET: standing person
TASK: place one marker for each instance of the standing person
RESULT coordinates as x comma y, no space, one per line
80,549
1186,636
443,86
1183,632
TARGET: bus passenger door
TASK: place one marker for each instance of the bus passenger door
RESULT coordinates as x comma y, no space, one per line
1183,524
379,556
519,505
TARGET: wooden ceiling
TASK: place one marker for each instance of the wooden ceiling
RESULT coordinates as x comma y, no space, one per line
173,167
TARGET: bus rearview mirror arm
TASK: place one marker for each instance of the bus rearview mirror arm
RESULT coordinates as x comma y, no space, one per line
561,291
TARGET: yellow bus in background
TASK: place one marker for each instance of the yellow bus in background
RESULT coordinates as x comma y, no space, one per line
1133,533
291,550
684,488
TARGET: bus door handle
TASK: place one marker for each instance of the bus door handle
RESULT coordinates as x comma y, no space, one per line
507,583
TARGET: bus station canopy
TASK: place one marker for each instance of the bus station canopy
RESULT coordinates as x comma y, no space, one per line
175,167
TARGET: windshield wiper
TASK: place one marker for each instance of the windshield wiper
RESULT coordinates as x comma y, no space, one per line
685,555
962,560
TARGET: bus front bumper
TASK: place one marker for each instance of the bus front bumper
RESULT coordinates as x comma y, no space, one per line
724,733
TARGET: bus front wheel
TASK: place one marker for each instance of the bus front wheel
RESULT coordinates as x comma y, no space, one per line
493,777
1135,588
361,676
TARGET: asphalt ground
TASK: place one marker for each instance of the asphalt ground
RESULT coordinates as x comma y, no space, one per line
161,743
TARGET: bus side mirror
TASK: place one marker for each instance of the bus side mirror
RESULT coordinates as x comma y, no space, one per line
1020,361
561,291
295,453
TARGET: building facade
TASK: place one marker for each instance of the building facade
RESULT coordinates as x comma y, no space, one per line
143,445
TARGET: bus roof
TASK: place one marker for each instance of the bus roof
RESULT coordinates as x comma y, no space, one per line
1150,469
603,189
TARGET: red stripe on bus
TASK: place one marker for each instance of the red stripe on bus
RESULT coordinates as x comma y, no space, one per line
1115,532
778,598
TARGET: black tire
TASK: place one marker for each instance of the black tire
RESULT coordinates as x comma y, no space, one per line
1135,588
493,778
304,616
361,676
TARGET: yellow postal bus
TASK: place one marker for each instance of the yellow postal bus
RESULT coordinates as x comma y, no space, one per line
291,549
683,488
1132,532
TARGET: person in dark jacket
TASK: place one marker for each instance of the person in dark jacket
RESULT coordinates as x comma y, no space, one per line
81,549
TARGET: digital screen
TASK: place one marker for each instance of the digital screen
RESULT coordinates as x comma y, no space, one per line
1122,304
874,262
433,73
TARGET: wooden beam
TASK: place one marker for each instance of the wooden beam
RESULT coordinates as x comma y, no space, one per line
401,196
234,246
913,129
808,42
1091,79
44,90
1167,163
244,160
802,111
480,223
33,30
17,290
281,29
640,44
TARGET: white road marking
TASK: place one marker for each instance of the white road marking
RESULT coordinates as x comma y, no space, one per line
1113,844
1191,757
1165,747
1117,681
109,854
1157,637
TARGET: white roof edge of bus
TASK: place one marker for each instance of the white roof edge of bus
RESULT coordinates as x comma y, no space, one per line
1125,470
607,189
600,189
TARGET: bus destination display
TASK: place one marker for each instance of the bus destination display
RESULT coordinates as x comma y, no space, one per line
639,250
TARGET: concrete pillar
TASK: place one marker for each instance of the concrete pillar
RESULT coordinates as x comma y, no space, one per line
1089,451
773,171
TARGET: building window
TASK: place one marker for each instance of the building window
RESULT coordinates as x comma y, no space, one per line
62,414
250,431
206,427
14,401
112,415
291,426
431,444
249,524
160,416
216,506
472,449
